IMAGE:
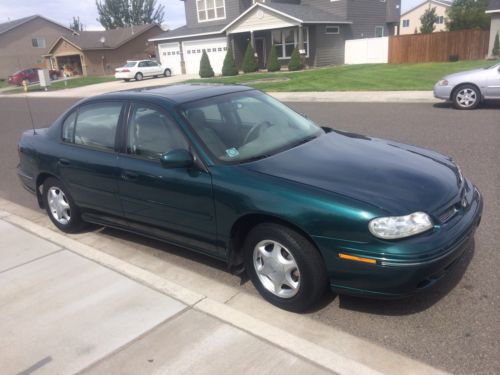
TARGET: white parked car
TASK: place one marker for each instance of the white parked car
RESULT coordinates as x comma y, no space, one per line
138,69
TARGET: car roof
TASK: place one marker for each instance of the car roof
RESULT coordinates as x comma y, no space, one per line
176,94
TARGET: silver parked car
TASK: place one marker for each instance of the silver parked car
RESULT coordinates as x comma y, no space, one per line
467,89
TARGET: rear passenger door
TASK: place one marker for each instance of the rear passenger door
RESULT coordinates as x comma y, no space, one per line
88,162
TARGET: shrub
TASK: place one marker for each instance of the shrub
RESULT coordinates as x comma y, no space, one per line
295,62
249,61
496,46
206,70
273,65
229,67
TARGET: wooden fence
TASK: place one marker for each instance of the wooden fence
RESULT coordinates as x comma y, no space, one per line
439,46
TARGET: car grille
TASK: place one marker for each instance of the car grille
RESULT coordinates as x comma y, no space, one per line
448,214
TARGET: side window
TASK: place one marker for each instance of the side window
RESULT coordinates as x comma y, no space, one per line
151,133
142,64
68,128
96,125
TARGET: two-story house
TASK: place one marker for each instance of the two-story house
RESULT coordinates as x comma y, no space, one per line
410,20
319,28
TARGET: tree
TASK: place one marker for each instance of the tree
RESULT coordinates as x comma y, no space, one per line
468,14
428,21
76,25
206,70
295,61
249,61
273,65
229,67
496,46
125,13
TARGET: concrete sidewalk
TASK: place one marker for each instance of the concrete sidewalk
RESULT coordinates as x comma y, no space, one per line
67,307
330,96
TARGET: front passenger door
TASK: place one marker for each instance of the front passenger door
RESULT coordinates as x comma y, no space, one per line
493,81
175,204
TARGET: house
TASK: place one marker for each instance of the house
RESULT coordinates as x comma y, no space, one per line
94,53
319,28
493,8
410,20
25,40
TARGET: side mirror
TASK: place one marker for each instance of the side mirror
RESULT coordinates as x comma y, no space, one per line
177,159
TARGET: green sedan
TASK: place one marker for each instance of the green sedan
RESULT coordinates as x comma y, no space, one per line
232,173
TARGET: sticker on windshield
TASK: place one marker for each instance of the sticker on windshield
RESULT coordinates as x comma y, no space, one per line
232,152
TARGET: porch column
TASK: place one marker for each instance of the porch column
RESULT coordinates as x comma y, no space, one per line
300,44
252,40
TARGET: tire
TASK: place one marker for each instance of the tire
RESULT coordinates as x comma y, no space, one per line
167,73
56,197
305,281
139,76
466,97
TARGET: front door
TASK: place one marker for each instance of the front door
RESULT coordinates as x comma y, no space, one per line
175,204
260,49
493,82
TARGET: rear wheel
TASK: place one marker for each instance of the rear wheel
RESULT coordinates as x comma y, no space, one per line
139,77
167,73
60,207
466,97
285,267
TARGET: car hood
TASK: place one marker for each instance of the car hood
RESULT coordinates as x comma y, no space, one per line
466,75
395,177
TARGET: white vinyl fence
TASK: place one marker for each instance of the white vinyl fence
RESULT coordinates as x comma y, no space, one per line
367,51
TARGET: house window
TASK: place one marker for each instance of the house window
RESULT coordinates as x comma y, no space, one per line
406,23
379,31
439,20
332,29
286,40
38,42
209,10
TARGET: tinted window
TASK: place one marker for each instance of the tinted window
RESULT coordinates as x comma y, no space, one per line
151,133
96,125
68,132
142,64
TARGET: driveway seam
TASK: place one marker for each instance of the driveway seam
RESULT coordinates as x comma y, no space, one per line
34,259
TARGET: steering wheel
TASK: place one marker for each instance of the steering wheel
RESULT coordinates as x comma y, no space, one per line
256,130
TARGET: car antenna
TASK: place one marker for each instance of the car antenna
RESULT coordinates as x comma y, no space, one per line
29,111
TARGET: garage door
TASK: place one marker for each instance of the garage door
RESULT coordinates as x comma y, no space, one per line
216,49
170,56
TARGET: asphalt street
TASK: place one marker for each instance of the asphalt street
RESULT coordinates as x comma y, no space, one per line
453,326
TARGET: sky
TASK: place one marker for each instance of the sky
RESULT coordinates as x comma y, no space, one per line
62,11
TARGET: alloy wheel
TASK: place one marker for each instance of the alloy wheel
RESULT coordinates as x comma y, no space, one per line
466,97
58,205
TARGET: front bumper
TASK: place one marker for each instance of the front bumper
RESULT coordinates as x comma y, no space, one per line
397,277
443,92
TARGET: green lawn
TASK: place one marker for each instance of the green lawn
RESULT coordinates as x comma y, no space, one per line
3,83
368,77
60,84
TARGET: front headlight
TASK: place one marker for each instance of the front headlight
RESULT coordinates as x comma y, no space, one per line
443,82
392,227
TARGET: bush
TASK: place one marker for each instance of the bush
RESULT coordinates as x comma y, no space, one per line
249,61
295,62
496,46
206,70
273,65
229,67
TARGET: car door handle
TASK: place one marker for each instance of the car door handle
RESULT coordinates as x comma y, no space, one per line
63,162
129,176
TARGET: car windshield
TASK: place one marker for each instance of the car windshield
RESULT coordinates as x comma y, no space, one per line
249,125
130,64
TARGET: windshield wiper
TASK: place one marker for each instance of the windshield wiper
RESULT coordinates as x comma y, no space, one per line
302,141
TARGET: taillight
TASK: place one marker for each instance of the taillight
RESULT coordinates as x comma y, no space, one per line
125,70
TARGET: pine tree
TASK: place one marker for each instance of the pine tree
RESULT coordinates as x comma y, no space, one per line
496,46
206,70
273,65
249,61
229,67
295,61
428,21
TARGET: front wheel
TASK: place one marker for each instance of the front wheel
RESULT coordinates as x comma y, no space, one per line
466,97
60,207
286,269
167,73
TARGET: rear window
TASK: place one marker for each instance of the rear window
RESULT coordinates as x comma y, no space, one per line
130,64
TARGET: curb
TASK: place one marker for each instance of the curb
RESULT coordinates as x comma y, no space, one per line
295,345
